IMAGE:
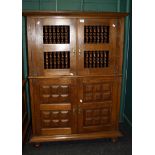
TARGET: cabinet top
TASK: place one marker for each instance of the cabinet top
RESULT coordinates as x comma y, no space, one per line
75,14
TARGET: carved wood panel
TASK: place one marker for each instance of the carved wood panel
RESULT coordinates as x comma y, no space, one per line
97,117
98,92
55,118
55,93
96,104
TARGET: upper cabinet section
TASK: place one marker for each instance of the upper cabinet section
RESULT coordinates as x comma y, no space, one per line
62,43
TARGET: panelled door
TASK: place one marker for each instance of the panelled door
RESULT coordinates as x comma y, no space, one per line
54,104
52,45
96,46
96,104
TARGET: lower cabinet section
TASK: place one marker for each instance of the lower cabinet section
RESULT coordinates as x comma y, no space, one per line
74,106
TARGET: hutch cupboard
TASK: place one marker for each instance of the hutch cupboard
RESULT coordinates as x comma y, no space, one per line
75,72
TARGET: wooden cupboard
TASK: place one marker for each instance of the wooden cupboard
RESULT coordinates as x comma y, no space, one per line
75,72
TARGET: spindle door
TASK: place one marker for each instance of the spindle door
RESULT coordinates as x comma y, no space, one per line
97,46
52,45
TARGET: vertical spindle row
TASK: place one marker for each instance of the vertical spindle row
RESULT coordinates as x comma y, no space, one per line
57,60
96,59
96,34
56,34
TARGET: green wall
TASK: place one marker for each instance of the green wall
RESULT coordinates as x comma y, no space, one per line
90,5
127,106
75,5
25,65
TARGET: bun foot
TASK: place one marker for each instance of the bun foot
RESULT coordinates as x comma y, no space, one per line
37,145
114,140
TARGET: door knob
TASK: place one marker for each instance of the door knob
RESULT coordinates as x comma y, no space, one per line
113,25
79,110
74,110
38,22
74,52
79,52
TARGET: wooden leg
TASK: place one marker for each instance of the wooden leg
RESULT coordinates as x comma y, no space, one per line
114,140
37,145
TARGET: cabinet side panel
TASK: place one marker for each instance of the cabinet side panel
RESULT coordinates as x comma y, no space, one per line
119,45
30,43
32,105
119,82
38,51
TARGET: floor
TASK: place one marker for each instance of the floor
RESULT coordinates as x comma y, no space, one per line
123,146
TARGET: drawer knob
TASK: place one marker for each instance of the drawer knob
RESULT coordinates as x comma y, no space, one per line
71,74
81,101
